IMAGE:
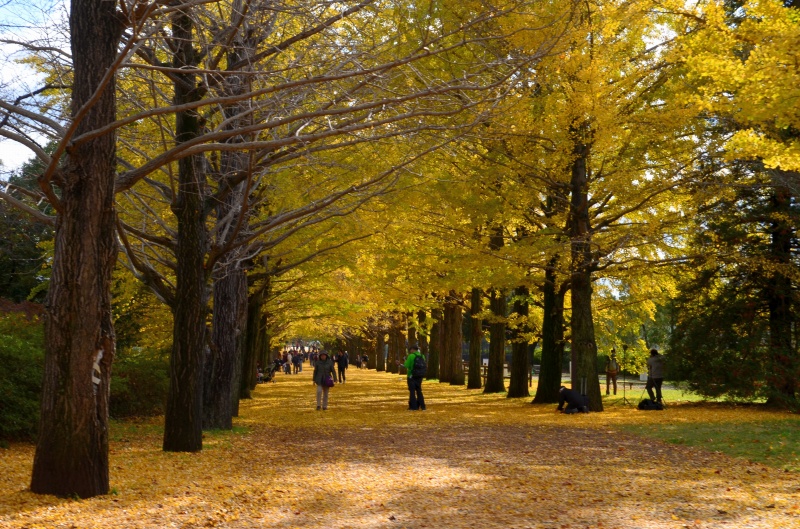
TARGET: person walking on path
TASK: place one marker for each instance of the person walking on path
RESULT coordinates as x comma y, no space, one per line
612,368
342,361
655,374
416,401
323,368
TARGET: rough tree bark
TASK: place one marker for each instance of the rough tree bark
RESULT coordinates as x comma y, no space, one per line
72,448
497,344
584,349
254,341
520,359
183,421
455,339
552,340
227,330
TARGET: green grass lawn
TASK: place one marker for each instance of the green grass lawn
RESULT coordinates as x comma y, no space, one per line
771,442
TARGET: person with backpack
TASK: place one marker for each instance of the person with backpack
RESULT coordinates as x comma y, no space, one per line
612,368
416,366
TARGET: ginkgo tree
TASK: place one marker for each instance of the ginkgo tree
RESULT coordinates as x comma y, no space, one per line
593,162
316,78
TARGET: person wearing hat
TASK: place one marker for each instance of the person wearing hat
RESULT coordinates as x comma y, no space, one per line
322,369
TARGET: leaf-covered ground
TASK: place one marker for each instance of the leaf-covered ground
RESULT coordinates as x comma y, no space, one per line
470,460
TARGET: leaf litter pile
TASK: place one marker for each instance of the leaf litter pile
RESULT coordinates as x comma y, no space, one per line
470,460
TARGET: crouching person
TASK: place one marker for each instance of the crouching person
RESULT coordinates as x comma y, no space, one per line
575,401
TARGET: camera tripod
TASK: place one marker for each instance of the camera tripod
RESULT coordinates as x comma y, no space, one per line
624,379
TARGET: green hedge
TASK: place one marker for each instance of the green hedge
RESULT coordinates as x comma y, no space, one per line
139,384
139,380
22,361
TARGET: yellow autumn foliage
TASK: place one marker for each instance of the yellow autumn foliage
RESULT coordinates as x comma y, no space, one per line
748,72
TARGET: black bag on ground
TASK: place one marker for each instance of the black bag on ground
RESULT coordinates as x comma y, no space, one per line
420,366
647,404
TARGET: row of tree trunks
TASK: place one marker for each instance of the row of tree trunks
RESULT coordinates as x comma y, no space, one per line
475,340
72,448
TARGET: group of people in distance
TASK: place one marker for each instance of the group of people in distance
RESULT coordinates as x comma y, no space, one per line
325,377
330,370
576,402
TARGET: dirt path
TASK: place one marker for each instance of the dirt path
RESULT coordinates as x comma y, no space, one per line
471,460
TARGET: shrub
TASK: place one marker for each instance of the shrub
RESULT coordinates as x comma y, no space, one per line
139,384
22,358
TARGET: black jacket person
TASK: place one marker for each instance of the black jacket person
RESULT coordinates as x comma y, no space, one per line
573,399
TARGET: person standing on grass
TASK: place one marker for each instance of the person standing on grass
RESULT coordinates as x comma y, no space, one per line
612,368
415,370
322,369
655,374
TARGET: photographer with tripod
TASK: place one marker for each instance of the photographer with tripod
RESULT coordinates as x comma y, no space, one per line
655,375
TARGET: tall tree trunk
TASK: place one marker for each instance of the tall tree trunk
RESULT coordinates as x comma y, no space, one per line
266,353
183,421
784,372
254,342
411,330
497,344
231,268
422,338
520,359
455,340
394,345
434,346
230,294
584,349
552,339
446,349
372,357
380,346
72,448
475,340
